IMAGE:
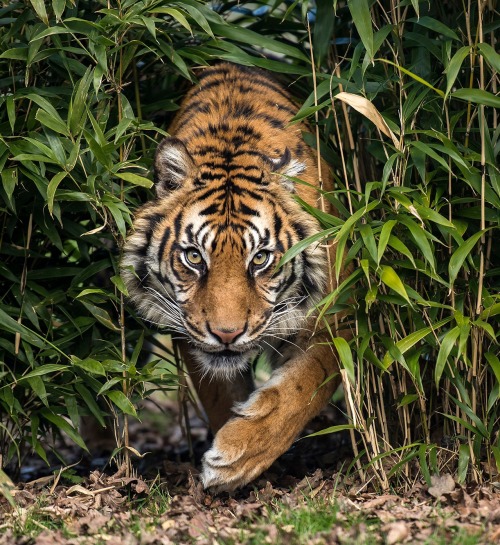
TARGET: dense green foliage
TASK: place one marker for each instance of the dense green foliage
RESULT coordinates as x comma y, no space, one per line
87,90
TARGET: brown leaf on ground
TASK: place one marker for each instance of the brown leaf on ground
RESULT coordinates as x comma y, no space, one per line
91,524
379,501
395,532
441,484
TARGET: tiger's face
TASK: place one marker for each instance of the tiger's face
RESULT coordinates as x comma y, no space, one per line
206,255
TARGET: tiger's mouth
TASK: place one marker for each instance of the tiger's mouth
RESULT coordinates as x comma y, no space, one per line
224,363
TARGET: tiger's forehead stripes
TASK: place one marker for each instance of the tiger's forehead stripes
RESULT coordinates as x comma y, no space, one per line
222,190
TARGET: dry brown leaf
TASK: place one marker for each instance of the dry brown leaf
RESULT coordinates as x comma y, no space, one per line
366,108
377,502
441,484
80,490
396,532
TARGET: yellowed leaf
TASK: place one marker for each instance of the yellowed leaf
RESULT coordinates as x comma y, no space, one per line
366,108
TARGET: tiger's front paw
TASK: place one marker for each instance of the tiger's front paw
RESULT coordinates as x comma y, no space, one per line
249,443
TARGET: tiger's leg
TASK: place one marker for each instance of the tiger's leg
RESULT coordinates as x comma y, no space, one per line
217,395
268,422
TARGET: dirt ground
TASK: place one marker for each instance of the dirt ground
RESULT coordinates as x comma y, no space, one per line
304,498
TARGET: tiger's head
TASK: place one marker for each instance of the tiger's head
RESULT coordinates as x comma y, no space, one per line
202,258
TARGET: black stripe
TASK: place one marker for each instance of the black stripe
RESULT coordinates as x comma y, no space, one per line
163,243
178,224
281,107
244,209
252,179
211,209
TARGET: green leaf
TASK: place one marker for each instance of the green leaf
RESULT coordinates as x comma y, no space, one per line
447,344
459,255
407,399
494,362
135,179
247,36
436,26
79,103
58,6
121,401
100,315
345,355
39,7
176,15
369,240
360,12
52,122
91,403
454,67
331,429
90,365
412,339
477,96
72,407
16,53
391,279
412,75
120,284
385,234
44,370
63,425
424,467
52,187
9,181
296,249
199,18
38,386
463,463
490,55
420,238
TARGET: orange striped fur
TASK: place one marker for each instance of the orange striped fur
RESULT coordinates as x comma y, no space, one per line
205,255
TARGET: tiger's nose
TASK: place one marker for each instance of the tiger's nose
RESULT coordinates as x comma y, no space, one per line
226,336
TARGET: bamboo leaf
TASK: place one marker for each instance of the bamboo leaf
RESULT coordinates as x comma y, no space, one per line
360,12
44,370
39,7
459,255
135,179
385,233
490,55
122,402
331,429
412,75
444,351
90,365
345,355
176,15
494,362
63,425
436,26
463,463
368,109
391,279
454,67
477,96
52,187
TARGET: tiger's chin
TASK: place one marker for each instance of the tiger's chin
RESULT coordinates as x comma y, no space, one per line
225,364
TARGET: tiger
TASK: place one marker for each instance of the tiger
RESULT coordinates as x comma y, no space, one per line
203,261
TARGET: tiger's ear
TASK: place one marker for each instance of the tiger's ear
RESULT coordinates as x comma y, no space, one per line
287,167
172,165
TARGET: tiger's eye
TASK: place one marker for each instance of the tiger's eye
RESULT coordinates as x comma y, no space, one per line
260,258
193,256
